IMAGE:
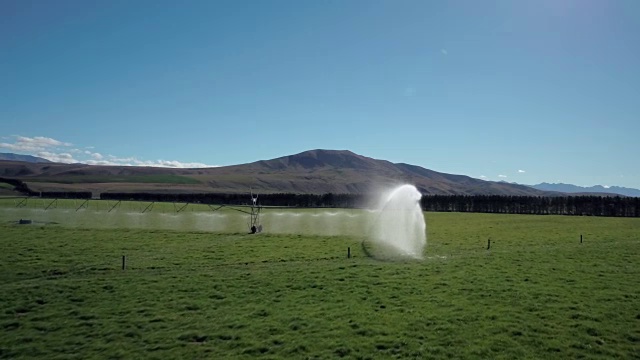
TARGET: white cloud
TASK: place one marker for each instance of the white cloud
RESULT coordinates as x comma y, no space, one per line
125,161
444,52
57,157
112,160
482,177
502,176
100,162
409,91
12,147
59,151
521,171
178,164
41,141
32,145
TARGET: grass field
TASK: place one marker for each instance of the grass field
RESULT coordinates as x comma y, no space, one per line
192,291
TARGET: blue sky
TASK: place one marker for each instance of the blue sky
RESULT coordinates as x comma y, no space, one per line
521,91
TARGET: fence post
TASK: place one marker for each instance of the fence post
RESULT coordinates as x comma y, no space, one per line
488,244
349,253
123,261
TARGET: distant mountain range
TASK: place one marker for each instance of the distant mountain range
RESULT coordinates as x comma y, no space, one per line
25,158
573,189
309,172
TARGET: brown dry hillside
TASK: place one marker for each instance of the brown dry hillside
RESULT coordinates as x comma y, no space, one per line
315,171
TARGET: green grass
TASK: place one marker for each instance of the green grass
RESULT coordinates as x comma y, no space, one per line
538,293
4,185
87,179
36,203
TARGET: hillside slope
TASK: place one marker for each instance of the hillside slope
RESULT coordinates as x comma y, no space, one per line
315,171
24,158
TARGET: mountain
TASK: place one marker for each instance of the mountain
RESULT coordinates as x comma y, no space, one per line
573,189
24,158
342,171
314,171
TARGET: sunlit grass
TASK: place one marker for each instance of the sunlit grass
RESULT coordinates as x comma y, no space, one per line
185,293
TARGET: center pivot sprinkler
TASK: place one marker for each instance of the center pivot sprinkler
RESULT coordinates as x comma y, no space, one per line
254,215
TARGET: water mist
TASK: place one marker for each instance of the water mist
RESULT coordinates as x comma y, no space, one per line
399,229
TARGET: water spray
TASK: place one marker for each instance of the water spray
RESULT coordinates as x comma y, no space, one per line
399,230
254,214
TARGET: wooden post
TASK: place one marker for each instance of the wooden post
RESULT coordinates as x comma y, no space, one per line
488,244
580,238
348,253
123,261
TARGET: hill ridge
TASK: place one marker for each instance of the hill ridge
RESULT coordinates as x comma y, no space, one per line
24,158
316,171
575,189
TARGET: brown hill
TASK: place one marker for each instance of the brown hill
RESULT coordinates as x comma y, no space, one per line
315,171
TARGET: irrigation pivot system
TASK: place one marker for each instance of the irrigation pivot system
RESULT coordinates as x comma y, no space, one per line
254,213
253,209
